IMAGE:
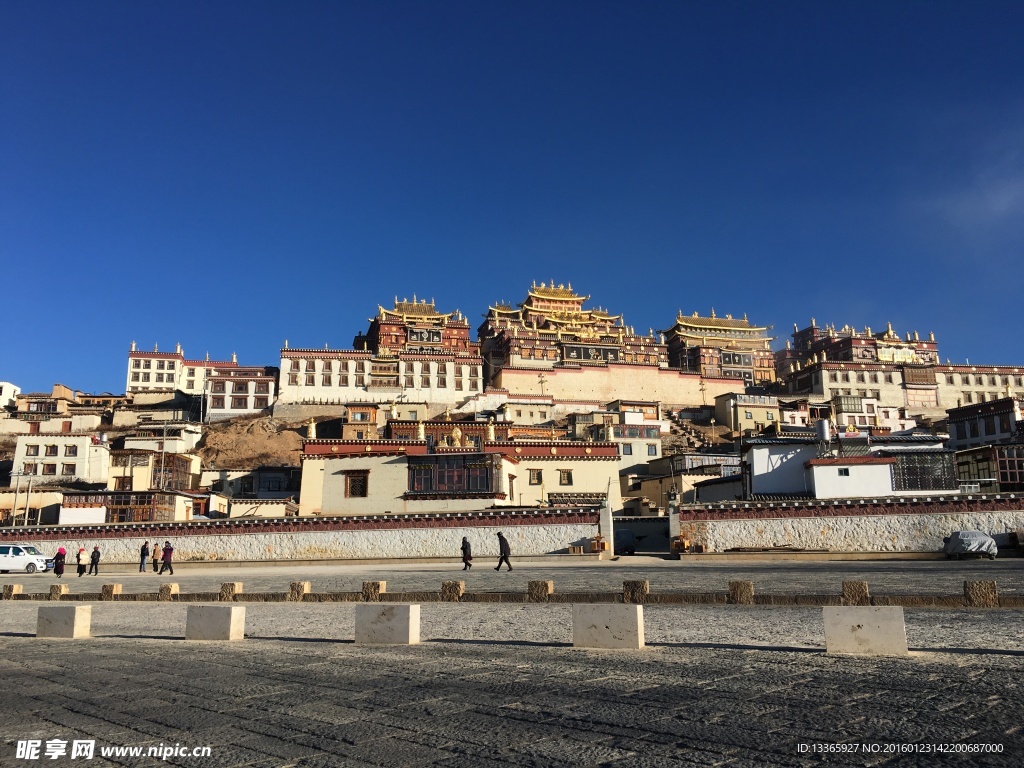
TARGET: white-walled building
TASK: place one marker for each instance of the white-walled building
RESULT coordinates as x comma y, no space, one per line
239,392
852,466
169,437
8,394
156,370
411,352
342,477
61,457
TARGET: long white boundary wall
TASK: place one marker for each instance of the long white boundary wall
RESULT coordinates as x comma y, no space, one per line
856,533
360,544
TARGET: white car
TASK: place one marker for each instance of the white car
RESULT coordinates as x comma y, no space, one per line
22,557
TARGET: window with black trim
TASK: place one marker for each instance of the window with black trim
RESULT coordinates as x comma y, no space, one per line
536,476
357,484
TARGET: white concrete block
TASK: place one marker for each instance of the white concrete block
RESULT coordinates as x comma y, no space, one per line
608,626
69,622
865,631
387,624
215,622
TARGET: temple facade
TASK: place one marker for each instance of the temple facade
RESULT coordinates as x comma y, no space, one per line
550,344
718,347
551,328
411,352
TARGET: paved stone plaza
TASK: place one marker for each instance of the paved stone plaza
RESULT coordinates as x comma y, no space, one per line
499,684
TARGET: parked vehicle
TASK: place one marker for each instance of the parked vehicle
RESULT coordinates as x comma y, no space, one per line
961,544
22,557
625,542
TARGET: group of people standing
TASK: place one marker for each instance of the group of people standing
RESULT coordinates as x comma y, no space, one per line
60,559
504,551
161,559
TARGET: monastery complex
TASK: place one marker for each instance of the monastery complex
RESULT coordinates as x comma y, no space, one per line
549,404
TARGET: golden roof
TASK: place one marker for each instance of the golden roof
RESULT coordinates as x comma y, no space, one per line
727,322
415,309
543,291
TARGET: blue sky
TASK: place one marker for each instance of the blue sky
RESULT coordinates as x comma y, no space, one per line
228,175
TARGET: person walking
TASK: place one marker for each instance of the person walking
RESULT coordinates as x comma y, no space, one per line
156,556
166,556
80,559
503,551
94,561
58,562
144,557
467,554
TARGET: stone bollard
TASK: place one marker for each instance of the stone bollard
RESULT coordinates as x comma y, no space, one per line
451,591
741,592
10,590
167,592
372,590
981,594
297,589
608,626
391,624
860,631
65,622
856,593
215,622
57,591
229,589
110,591
635,591
540,591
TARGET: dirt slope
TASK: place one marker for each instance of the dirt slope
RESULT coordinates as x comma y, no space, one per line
252,442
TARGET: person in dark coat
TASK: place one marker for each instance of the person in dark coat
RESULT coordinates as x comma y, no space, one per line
166,556
467,554
143,557
58,562
80,559
94,561
504,551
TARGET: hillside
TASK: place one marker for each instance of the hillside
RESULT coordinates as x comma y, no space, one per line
252,442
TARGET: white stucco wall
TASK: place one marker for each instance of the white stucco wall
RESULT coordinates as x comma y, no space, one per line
861,533
825,482
605,384
780,468
433,370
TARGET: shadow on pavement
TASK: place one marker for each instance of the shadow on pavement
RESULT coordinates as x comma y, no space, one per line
301,639
970,651
528,643
740,647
